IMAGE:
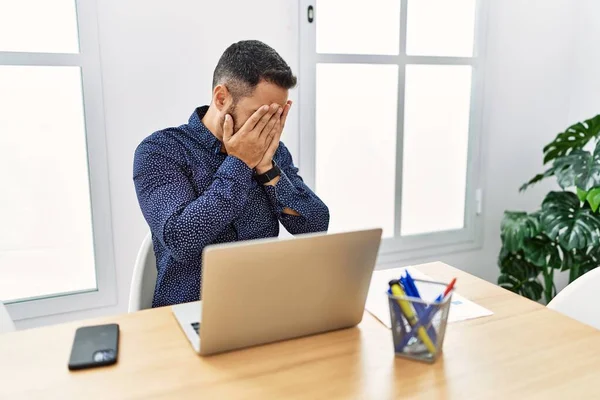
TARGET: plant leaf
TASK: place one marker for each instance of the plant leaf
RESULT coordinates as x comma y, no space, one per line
575,137
517,226
548,173
518,275
565,167
580,168
564,220
542,252
582,194
593,199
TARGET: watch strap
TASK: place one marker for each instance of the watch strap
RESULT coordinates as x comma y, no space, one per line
269,175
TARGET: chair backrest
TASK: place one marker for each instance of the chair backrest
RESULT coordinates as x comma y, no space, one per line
579,300
6,322
143,282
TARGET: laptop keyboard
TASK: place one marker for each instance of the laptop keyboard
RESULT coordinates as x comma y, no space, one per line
196,326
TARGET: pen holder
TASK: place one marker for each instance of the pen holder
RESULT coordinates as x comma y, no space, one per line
419,326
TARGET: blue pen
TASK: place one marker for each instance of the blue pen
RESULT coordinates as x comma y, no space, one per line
421,309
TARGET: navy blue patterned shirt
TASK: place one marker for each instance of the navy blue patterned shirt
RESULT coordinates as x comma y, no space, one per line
193,195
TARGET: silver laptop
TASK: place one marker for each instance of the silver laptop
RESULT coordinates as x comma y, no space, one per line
264,291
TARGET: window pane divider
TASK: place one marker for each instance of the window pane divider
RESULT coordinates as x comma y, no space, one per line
393,59
40,59
400,120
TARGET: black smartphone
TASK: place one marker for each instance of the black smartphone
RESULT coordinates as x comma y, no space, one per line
95,346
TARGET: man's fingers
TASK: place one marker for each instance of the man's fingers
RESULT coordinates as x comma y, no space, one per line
269,128
227,128
286,111
276,139
274,144
255,118
260,126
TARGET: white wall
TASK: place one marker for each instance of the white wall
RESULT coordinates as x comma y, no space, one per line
585,91
157,60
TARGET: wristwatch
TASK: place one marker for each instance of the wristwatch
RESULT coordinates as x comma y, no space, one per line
269,175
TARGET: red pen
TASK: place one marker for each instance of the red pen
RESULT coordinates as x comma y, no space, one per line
441,297
449,287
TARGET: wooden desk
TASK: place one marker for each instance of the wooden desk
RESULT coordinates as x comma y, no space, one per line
524,350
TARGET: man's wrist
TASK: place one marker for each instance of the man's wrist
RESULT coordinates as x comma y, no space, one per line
263,168
267,176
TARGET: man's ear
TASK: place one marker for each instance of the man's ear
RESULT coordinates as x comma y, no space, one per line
221,97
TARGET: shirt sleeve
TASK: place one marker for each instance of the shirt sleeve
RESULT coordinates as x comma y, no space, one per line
183,220
291,192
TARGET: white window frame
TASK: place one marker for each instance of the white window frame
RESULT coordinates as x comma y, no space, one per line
414,246
88,59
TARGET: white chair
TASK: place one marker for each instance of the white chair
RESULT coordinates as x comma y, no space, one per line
143,282
579,300
6,322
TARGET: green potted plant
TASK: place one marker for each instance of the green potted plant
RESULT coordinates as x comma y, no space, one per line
564,235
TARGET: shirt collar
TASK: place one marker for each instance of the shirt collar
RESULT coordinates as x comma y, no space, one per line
206,138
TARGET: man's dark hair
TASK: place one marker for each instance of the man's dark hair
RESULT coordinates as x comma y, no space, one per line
244,64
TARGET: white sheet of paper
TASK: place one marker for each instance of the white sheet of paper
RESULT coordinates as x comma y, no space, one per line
461,308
